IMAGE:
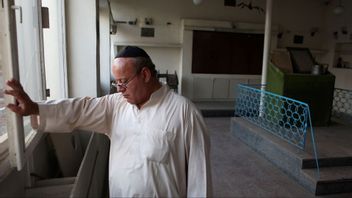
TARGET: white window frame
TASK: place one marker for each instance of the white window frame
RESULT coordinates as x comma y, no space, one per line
9,72
15,149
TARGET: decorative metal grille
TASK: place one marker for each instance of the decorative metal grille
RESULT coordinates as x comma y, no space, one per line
284,117
342,105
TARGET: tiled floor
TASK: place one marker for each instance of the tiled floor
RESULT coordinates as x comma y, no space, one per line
238,171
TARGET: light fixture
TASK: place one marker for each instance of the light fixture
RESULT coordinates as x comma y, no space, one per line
197,2
338,9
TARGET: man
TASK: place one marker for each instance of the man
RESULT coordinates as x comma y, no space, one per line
159,142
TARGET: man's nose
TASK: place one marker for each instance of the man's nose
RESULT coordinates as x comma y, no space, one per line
121,89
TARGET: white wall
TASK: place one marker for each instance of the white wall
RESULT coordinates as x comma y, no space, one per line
104,45
293,17
334,23
165,59
81,47
298,17
289,17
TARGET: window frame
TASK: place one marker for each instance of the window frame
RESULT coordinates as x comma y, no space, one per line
16,148
9,49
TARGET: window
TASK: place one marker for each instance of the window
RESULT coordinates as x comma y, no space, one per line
30,59
3,130
54,50
21,58
4,70
227,53
3,125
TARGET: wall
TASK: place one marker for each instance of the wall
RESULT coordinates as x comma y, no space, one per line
81,30
334,23
289,18
104,47
285,16
300,17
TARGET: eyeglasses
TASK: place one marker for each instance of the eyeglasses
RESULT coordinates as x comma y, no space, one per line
123,85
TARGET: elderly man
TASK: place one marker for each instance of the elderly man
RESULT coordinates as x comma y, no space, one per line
159,142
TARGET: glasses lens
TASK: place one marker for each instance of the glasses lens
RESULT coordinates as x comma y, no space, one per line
123,85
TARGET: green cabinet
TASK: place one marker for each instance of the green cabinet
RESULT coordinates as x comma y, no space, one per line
315,90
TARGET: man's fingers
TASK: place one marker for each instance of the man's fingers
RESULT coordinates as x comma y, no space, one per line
24,105
14,84
15,109
19,95
10,92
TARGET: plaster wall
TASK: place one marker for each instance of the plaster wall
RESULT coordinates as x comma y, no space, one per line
335,24
289,18
104,47
81,30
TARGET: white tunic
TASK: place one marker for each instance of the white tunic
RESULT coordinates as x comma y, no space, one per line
160,150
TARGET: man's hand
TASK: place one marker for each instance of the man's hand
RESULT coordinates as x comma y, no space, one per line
24,105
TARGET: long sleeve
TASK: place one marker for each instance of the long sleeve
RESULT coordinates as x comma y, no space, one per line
94,114
197,147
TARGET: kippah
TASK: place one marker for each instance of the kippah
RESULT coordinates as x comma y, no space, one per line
132,51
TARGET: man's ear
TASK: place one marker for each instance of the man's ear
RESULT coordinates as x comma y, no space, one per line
146,74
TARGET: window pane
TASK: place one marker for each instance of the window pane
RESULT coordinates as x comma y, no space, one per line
29,58
3,129
53,50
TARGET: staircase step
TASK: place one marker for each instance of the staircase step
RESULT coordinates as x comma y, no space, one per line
55,181
327,162
298,163
332,179
218,112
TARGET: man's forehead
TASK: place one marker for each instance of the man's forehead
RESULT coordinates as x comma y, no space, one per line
123,60
122,68
123,63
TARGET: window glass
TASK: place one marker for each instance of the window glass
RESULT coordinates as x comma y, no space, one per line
53,43
29,52
3,129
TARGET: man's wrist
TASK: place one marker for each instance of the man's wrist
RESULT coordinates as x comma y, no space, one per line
35,108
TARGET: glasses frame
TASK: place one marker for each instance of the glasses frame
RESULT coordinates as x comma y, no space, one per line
123,85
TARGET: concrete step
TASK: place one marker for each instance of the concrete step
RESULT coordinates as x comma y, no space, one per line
332,179
327,162
292,160
216,108
218,112
55,181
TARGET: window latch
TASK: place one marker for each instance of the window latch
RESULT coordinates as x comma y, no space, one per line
15,7
47,92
